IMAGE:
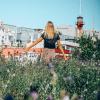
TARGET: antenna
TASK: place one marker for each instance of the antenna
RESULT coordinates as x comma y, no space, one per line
80,7
93,23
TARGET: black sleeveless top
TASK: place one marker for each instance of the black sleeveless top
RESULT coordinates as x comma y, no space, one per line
50,43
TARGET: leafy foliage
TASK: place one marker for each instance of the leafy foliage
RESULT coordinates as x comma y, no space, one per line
89,48
73,76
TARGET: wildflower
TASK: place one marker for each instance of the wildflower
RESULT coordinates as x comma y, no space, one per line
13,75
8,70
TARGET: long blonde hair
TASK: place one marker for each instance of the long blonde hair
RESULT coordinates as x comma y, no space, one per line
49,28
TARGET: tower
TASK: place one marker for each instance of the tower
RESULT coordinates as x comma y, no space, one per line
79,23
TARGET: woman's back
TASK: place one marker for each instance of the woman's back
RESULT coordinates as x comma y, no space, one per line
50,42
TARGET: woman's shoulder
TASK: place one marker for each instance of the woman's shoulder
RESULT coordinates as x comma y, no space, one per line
58,32
43,34
57,35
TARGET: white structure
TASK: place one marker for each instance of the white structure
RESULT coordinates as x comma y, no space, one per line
6,36
67,31
11,35
37,34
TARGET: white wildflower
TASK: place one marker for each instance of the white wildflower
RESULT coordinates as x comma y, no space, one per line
8,70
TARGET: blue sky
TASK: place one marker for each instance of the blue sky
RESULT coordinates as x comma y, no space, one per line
35,13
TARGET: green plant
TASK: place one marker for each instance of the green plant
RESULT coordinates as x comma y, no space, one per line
73,76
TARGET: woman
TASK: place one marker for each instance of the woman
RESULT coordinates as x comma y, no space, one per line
50,37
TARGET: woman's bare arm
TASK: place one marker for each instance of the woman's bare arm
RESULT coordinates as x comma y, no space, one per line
34,43
60,47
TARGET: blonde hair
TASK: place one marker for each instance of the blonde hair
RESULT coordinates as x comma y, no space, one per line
50,30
